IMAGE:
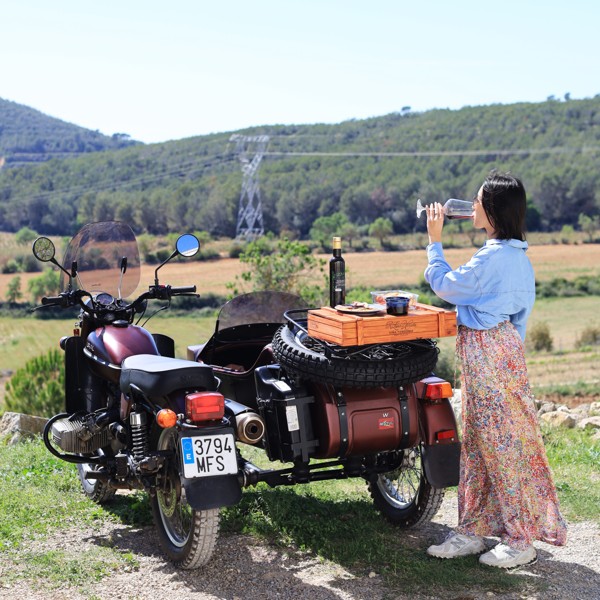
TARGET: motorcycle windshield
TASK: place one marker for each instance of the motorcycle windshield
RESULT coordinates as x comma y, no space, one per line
258,307
99,250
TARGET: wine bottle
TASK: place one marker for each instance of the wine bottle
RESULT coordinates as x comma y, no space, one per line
337,275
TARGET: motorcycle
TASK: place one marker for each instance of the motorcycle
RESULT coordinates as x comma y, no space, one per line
136,417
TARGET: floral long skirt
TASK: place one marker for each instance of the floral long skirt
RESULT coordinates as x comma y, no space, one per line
506,488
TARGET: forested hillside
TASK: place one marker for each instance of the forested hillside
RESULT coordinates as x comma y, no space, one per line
27,135
364,169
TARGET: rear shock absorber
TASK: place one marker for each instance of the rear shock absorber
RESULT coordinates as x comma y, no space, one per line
139,434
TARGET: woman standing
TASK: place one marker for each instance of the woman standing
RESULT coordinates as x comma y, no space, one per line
506,488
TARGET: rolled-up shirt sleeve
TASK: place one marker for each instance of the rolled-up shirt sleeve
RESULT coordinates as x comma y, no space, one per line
461,286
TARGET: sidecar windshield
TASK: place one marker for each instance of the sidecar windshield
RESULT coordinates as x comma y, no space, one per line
258,307
99,250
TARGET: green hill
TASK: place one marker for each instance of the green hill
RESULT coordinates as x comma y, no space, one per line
27,135
361,168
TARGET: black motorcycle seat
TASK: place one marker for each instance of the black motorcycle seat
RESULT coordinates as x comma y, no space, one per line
160,375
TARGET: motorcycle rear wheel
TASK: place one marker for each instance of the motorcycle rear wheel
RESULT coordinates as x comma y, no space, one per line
187,536
389,364
404,496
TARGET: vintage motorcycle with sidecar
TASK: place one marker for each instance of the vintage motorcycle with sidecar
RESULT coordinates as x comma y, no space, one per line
136,417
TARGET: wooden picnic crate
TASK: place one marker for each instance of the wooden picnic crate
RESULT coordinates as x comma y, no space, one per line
423,321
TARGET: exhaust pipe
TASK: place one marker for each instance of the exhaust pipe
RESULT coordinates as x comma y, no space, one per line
250,426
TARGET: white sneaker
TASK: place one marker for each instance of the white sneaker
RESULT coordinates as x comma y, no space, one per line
457,544
505,557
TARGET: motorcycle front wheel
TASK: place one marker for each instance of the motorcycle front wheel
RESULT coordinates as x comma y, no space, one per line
404,496
187,536
96,490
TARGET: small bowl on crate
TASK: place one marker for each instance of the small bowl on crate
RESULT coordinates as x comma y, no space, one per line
397,305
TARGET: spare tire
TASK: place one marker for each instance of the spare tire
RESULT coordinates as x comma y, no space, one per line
386,365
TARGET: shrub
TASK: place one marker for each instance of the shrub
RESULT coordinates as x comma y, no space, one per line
38,388
25,236
235,250
566,234
29,263
11,266
539,337
590,336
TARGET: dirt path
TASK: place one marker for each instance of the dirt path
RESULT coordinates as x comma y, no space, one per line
245,569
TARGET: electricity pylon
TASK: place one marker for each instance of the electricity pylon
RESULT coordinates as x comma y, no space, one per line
250,218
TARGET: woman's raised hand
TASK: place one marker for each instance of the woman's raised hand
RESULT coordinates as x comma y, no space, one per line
435,222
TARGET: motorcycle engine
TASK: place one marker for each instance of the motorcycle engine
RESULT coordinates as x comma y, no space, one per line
74,434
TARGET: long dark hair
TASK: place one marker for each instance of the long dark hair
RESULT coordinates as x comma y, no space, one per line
505,202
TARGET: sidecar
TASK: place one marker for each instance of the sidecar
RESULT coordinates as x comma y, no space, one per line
376,412
242,340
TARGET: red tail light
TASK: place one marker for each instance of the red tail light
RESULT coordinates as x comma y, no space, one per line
448,434
204,406
438,390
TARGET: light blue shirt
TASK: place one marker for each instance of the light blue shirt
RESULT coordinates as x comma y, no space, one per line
496,285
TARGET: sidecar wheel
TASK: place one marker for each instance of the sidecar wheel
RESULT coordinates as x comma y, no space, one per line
404,496
187,536
96,490
391,364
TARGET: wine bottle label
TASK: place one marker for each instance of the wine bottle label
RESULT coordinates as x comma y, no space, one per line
339,281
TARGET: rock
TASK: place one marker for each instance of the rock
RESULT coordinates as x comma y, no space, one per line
20,426
546,407
589,423
559,419
582,411
595,408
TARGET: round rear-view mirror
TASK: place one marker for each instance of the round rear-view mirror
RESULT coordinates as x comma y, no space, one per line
187,245
44,249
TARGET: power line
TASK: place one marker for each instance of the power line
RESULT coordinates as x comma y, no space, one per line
519,151
182,169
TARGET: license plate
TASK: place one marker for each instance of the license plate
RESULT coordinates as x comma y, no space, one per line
209,455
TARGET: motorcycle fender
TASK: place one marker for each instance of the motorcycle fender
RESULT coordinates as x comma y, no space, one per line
203,493
441,464
441,446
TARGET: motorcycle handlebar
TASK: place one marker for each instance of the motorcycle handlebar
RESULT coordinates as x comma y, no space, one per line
55,301
156,292
184,289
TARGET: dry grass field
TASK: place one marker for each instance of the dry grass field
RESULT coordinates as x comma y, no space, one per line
370,269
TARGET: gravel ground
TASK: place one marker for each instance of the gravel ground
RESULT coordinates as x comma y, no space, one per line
244,569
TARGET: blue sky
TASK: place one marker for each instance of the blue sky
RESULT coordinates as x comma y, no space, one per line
169,70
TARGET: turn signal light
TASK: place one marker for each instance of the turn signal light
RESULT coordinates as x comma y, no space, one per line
204,406
166,418
438,390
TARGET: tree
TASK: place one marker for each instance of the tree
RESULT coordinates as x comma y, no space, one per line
349,233
46,284
288,266
324,228
13,291
589,225
381,228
